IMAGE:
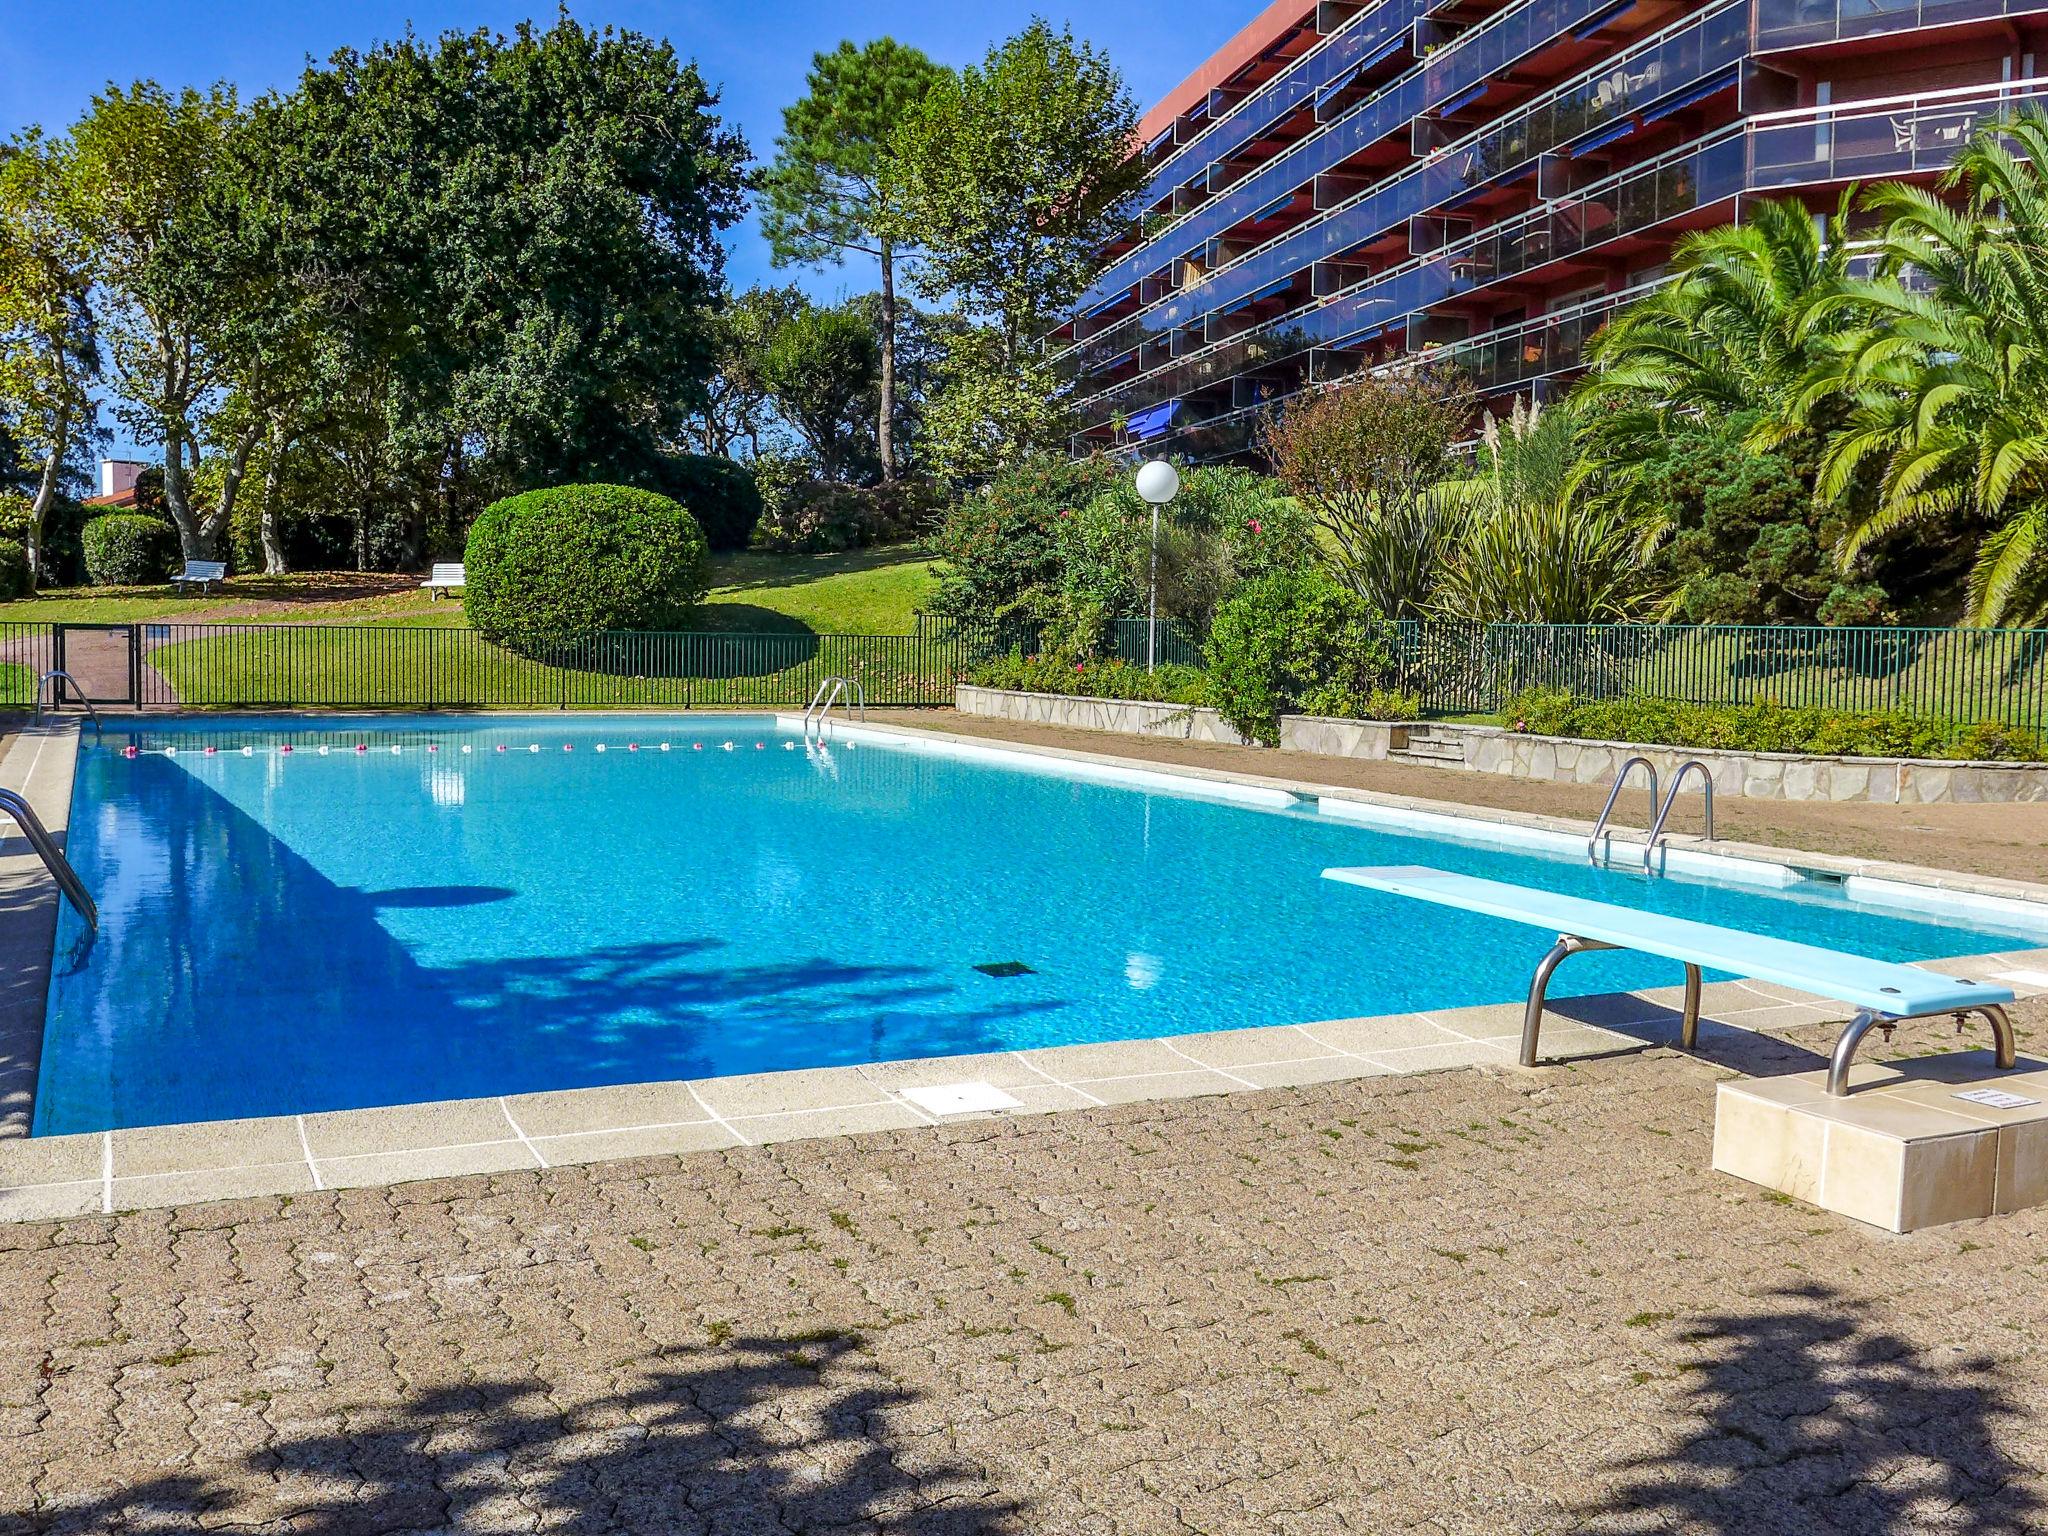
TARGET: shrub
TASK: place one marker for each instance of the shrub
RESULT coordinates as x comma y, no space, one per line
1114,679
718,492
1768,726
1295,642
127,549
1001,544
821,517
14,577
551,566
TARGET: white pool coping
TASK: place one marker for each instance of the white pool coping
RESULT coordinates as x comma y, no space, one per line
102,1172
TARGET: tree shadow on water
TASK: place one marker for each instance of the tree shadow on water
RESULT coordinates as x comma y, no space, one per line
1810,1417
767,1434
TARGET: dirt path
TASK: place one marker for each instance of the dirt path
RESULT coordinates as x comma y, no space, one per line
2008,841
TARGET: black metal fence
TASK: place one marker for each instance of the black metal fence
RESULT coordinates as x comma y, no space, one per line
259,666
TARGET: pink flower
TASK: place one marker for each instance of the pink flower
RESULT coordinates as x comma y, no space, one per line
1255,526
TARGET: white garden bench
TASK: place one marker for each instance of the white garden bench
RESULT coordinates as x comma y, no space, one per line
444,578
1882,992
201,574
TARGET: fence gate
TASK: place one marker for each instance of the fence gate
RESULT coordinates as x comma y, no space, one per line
106,659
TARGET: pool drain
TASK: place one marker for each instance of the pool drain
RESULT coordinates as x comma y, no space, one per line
1005,968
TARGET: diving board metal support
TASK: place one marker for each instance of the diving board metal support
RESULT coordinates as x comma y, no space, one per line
2006,1050
1571,944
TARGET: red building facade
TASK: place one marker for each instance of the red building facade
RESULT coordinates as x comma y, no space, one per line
1482,182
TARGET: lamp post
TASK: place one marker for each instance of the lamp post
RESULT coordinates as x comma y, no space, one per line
1158,483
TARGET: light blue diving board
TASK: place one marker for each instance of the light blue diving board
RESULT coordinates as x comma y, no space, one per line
1882,991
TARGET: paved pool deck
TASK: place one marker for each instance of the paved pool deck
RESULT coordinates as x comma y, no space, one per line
1478,1300
175,1165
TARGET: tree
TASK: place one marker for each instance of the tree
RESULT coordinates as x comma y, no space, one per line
737,405
513,246
828,191
144,163
1367,459
1016,173
49,347
989,410
1945,383
820,367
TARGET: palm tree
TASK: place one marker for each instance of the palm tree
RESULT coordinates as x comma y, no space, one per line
1728,333
1942,383
1733,333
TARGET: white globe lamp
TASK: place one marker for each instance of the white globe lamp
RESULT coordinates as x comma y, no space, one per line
1158,483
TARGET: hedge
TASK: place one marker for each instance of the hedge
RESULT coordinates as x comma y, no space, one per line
127,549
1768,726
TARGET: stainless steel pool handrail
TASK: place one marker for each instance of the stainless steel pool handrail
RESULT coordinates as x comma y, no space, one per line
1664,815
100,731
833,690
53,860
1614,794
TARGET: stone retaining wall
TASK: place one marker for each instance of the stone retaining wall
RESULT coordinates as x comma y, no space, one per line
1494,749
1751,775
1132,717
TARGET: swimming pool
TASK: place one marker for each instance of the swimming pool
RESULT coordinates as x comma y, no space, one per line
303,914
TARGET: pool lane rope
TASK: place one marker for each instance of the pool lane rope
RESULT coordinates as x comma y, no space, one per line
362,748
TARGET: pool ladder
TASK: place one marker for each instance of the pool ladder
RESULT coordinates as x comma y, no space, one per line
62,677
833,690
1664,806
46,848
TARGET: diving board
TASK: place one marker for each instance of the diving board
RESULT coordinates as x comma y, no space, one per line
1882,992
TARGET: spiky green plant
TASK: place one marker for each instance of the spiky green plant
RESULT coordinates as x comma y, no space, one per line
1530,551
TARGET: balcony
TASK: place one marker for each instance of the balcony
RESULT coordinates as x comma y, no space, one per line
1662,68
1804,23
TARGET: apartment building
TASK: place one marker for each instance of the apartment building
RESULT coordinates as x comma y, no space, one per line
1482,182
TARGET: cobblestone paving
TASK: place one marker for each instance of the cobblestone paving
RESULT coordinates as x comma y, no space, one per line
1476,1301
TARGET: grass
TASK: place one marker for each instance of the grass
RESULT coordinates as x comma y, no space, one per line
764,636
862,592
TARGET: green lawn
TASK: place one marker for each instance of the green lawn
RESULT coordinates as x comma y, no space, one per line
772,627
865,592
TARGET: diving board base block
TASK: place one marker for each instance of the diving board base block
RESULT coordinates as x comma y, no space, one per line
1916,1143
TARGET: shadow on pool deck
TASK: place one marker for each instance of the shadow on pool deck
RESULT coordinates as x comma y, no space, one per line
1806,1412
755,1434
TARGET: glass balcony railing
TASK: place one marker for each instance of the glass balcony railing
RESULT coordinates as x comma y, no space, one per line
1533,349
1901,136
1801,23
1671,62
1295,87
1688,178
1467,60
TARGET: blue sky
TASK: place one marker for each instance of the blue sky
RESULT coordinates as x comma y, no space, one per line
54,56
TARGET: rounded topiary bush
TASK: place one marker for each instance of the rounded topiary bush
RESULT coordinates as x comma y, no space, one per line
127,549
718,492
549,567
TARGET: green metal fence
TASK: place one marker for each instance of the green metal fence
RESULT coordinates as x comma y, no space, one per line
1958,674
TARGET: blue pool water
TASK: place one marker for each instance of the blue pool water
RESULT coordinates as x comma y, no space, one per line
287,932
